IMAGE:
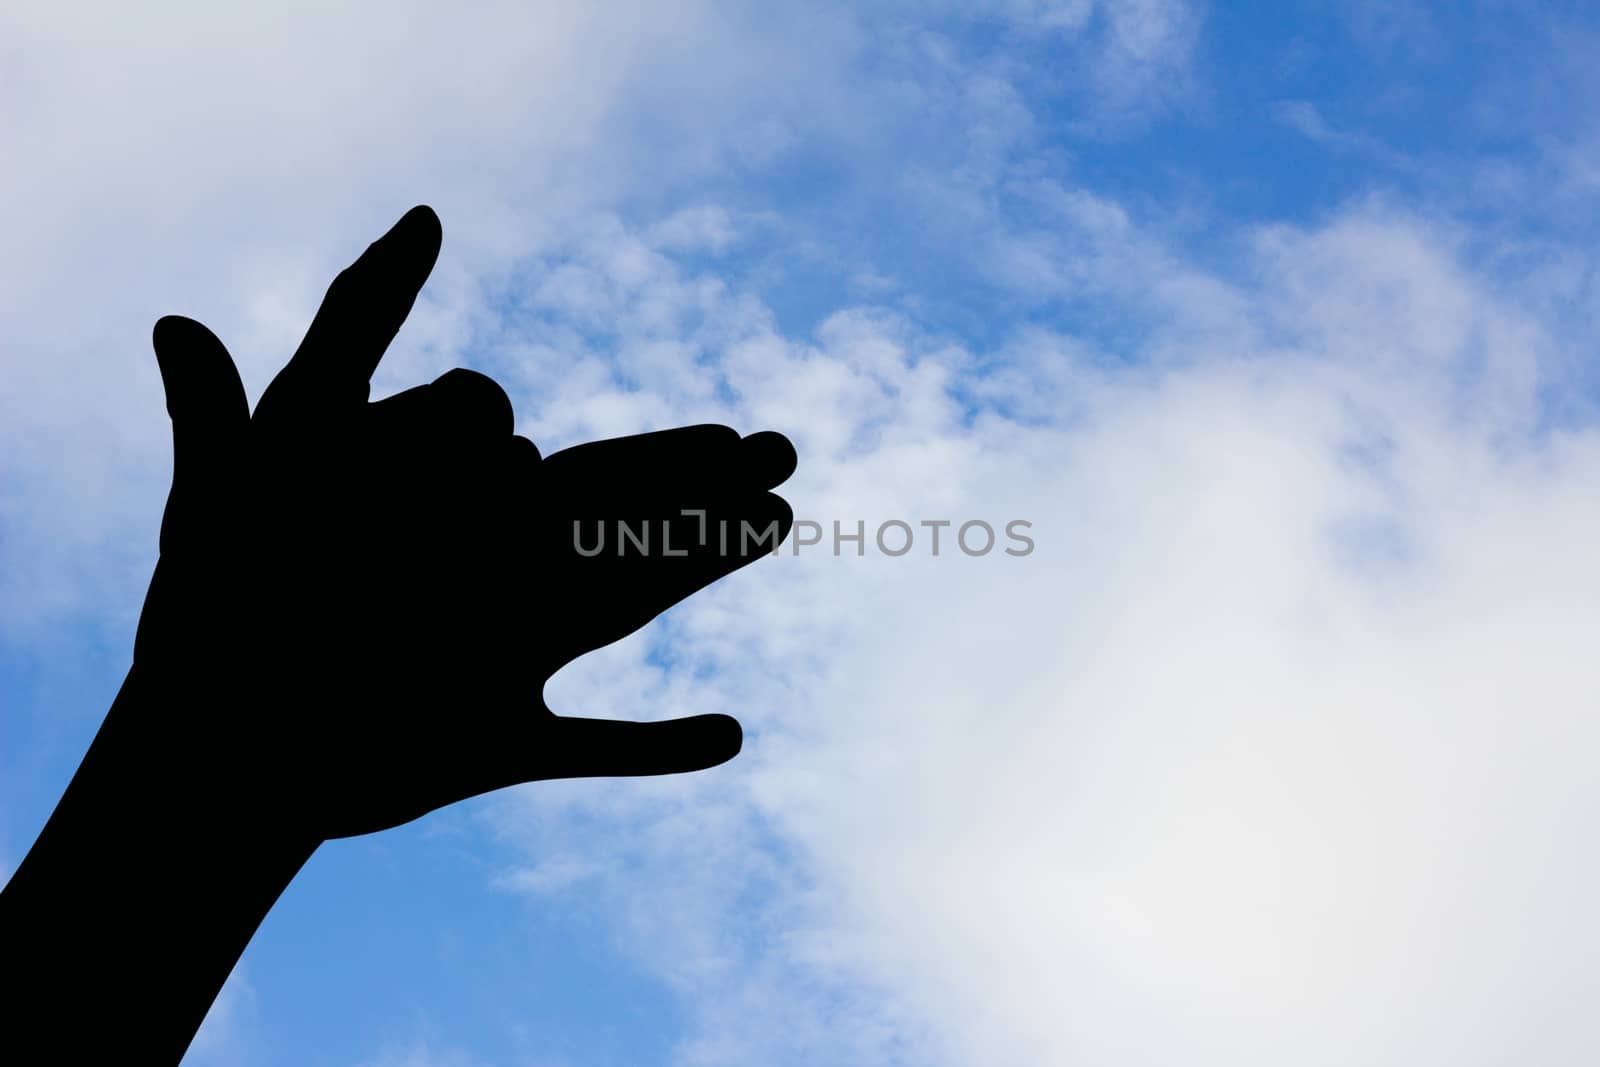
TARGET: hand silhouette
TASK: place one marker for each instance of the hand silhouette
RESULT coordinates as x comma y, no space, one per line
360,603
355,611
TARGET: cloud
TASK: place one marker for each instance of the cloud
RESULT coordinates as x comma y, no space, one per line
1274,750
1303,117
1122,61
225,164
1267,752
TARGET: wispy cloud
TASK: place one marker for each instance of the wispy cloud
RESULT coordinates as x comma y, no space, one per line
1272,751
1195,779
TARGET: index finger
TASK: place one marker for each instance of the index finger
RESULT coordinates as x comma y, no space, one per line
664,460
363,310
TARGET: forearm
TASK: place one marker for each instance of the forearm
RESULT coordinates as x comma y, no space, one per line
126,916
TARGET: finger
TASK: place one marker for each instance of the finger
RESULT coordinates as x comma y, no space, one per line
704,535
525,454
458,402
729,534
363,310
691,463
769,458
651,460
613,748
473,404
733,538
209,410
648,564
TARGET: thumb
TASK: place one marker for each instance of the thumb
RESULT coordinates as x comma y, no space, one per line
606,748
205,397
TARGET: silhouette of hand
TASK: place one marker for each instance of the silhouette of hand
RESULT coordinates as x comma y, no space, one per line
358,604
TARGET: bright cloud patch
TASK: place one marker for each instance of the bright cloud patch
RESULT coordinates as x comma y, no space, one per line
1275,748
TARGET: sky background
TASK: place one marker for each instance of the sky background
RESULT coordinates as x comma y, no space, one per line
1276,321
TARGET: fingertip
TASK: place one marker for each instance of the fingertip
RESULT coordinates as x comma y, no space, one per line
724,735
475,401
525,450
771,457
608,748
179,343
170,331
695,743
414,238
421,224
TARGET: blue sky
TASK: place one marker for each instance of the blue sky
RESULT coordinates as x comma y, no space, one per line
1275,321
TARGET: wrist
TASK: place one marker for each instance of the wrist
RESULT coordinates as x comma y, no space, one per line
142,890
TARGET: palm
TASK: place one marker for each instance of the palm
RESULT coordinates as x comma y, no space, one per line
381,590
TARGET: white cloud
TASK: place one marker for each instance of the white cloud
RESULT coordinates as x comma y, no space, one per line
1268,752
1304,118
692,229
225,163
1275,750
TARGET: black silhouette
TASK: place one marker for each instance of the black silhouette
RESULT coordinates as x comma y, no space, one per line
355,611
